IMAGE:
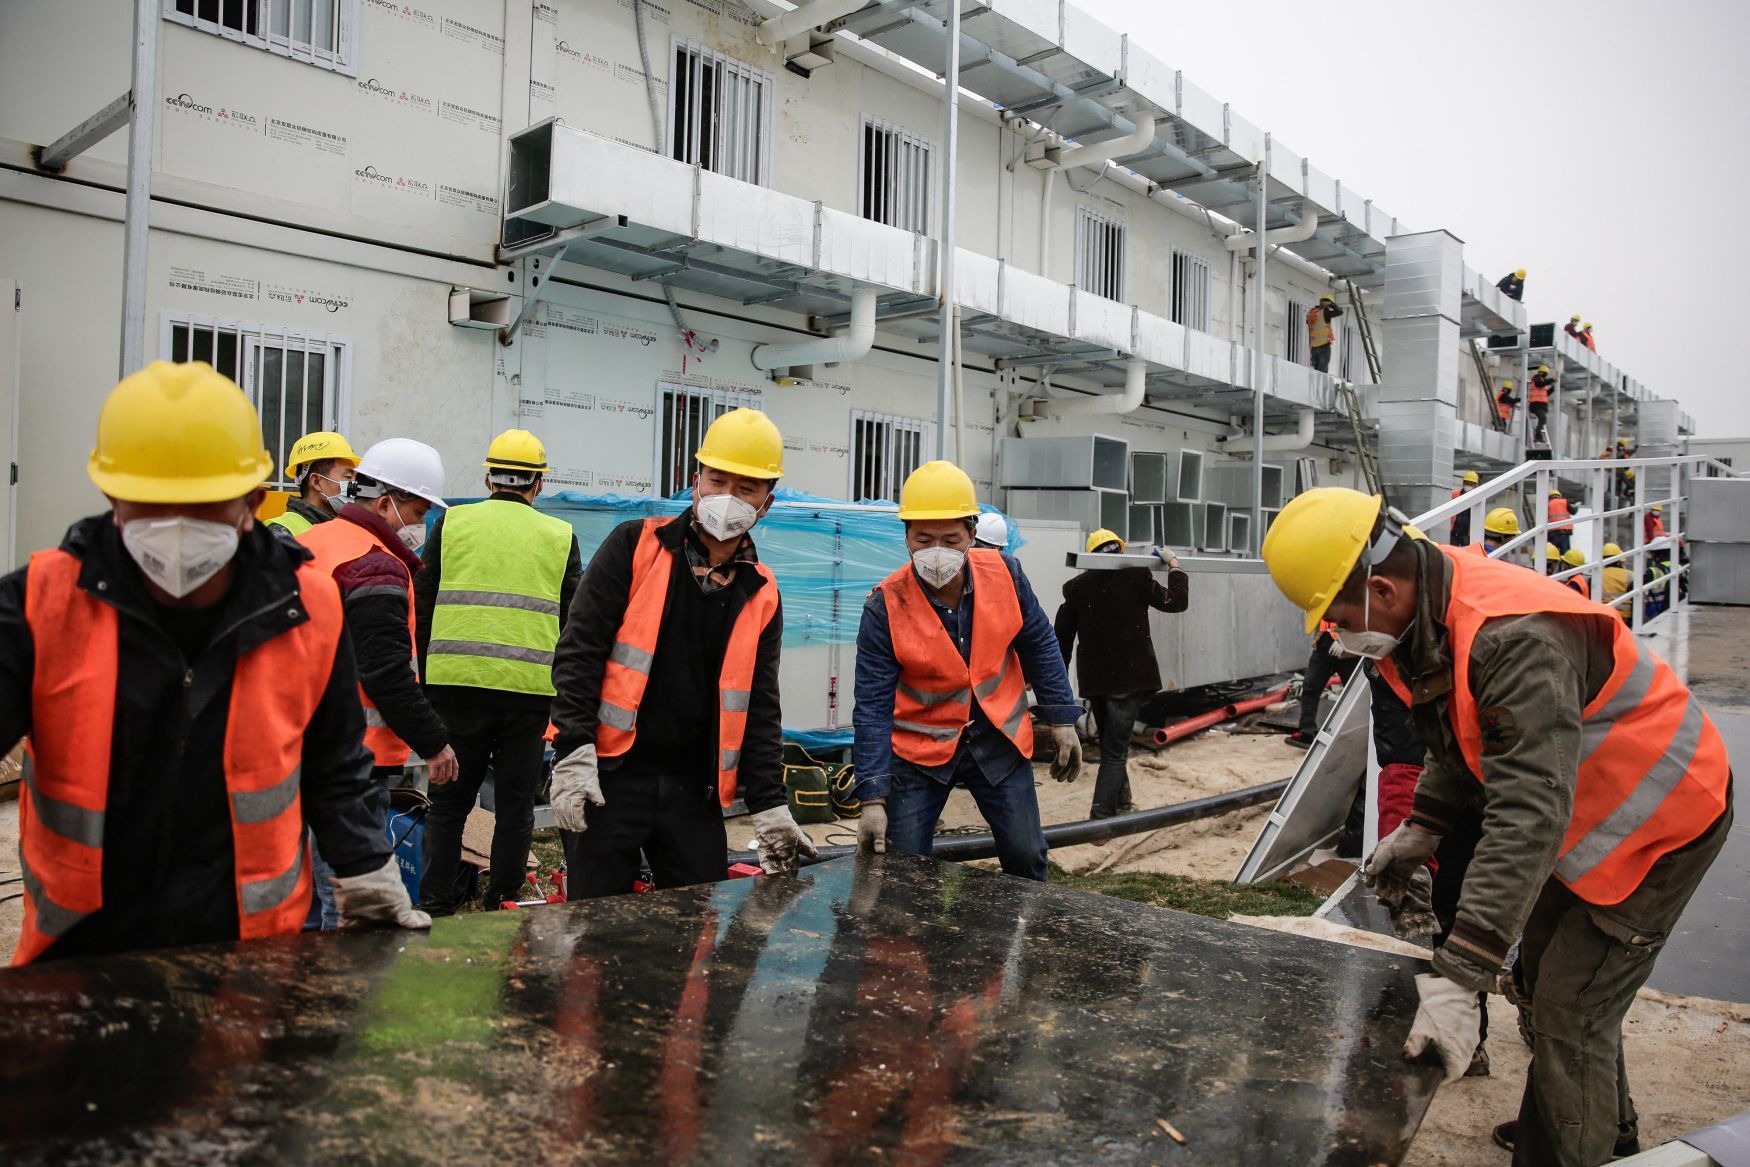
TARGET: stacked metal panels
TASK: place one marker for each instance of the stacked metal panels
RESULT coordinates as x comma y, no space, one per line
1717,530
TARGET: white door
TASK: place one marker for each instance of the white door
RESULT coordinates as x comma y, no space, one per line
10,303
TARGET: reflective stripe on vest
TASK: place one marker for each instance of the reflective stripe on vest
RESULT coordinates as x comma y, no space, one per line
933,702
335,545
1538,394
1652,768
629,661
1318,329
275,691
295,523
496,621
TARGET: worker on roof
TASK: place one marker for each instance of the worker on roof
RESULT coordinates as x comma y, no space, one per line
1499,526
948,646
321,464
1512,284
187,683
1604,790
371,552
1572,327
1320,336
1460,536
1615,576
489,605
1561,521
1116,667
1537,395
667,684
992,532
1504,403
1574,557
1585,336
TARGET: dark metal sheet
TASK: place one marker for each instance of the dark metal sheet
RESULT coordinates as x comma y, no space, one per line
889,1010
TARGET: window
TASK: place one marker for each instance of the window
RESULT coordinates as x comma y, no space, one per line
684,415
1099,254
720,114
1190,291
319,32
295,380
1351,358
894,174
1296,332
884,450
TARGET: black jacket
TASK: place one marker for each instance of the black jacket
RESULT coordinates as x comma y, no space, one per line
168,865
1511,286
1109,611
679,710
429,579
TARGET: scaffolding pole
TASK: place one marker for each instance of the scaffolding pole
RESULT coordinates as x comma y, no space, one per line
136,222
945,245
1258,356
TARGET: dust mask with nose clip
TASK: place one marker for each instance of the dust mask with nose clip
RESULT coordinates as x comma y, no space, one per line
178,553
1365,641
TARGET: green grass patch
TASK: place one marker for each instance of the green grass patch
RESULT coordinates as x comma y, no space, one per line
1204,897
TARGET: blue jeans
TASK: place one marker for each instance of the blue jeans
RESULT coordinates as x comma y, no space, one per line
1010,806
324,916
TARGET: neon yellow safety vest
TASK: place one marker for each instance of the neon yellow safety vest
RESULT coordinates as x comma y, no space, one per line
296,524
496,622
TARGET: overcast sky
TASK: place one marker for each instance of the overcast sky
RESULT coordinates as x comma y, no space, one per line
1602,146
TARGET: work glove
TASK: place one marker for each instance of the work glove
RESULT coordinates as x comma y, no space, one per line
1389,869
576,782
1447,1020
872,829
778,840
377,899
1412,917
1167,557
1067,766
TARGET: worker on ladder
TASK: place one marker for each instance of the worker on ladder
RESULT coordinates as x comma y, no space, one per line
1605,793
1512,284
1505,401
1320,336
489,605
1537,403
1460,536
321,464
187,684
948,646
1561,521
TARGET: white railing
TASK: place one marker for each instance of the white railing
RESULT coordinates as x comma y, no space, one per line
1592,526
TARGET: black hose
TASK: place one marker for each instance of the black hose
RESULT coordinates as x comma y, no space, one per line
983,846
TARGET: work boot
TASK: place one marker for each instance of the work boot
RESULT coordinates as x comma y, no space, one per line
1626,1145
1479,1063
1299,740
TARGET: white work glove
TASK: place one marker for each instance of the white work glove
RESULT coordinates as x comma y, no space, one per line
872,829
779,840
576,782
377,899
1067,766
1448,1019
1167,557
1394,862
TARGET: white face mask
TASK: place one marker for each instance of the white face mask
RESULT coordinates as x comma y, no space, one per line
336,500
179,554
724,516
939,566
1365,641
412,535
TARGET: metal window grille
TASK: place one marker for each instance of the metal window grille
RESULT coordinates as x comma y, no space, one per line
895,174
1190,294
685,414
1296,333
318,32
295,380
1099,254
720,114
884,451
1354,367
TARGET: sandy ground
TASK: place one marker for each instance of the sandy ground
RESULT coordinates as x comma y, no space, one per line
12,909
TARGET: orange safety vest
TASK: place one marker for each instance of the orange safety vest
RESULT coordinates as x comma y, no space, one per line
1559,510
1653,769
276,690
1318,329
1503,408
335,545
1537,393
1579,584
634,651
933,703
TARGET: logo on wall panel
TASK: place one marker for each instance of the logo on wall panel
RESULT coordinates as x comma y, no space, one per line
546,13
566,319
836,451
404,11
281,294
571,399
192,279
623,483
399,183
191,106
642,336
397,96
468,33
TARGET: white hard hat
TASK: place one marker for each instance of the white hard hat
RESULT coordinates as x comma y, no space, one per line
406,465
992,529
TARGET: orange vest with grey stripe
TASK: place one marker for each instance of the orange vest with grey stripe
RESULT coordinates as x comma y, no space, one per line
335,545
275,692
936,687
628,667
1653,769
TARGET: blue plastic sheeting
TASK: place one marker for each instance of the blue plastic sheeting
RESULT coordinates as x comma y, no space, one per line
815,740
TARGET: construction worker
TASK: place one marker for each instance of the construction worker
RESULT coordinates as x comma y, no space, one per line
1460,536
1320,336
1585,336
1615,575
1326,660
321,464
992,532
1504,403
1512,284
1561,521
948,645
489,605
1653,525
1499,526
187,683
667,684
1604,788
1116,668
1574,557
1537,397
1572,327
371,553
1552,559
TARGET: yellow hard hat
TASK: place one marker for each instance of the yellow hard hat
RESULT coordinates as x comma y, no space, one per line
1520,272
1574,319
1550,551
1328,296
1658,510
1315,543
178,433
1628,473
1574,557
516,450
1555,494
1585,326
321,446
1470,478
1500,521
1102,537
744,441
1543,368
1611,549
937,490
1507,384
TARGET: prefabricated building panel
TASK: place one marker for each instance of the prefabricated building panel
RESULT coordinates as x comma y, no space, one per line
1142,524
1239,532
1178,524
1213,537
1081,507
1189,485
1231,484
1082,462
1114,509
1719,510
1148,477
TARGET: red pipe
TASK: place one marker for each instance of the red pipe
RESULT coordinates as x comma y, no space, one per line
1183,729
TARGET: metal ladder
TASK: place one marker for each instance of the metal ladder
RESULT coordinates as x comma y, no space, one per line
1500,423
1366,329
1352,399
